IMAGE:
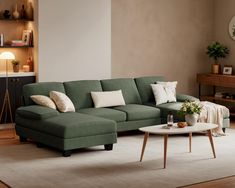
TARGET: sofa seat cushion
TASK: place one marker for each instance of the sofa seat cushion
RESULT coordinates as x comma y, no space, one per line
139,112
36,112
70,125
107,113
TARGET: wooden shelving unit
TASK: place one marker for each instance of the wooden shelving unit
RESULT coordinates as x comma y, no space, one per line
216,80
16,20
16,46
12,29
211,98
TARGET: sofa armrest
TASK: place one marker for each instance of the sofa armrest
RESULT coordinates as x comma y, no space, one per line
183,97
36,112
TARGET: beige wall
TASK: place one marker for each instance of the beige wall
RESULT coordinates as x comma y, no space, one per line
162,37
74,39
224,11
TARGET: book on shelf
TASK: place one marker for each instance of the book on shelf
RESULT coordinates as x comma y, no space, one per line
27,39
1,39
219,94
17,43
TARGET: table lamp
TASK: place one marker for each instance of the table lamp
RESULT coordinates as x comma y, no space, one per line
6,102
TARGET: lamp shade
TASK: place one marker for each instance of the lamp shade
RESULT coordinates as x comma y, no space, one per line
7,55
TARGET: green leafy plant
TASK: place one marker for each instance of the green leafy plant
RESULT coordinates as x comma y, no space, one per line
216,50
190,107
15,62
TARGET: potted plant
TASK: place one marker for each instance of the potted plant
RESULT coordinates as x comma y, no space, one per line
190,110
16,65
216,50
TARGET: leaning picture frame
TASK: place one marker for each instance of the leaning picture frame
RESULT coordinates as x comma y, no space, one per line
26,37
228,70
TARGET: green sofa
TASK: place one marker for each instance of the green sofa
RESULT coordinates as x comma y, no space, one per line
90,126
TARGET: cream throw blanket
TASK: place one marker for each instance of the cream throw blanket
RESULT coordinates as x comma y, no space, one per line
214,113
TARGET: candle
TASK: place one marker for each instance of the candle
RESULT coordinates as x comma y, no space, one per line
26,68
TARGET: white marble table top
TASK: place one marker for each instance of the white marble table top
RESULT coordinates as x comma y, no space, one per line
159,129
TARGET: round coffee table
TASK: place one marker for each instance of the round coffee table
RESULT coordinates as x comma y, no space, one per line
159,129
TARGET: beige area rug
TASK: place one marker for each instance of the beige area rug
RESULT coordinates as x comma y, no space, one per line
28,166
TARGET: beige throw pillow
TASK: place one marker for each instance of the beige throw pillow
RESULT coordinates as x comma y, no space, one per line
107,98
43,101
62,101
159,93
170,88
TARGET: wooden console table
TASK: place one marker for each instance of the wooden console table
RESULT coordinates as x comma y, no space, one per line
216,80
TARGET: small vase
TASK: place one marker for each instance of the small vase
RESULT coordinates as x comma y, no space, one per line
191,119
16,14
16,68
6,14
30,63
29,11
215,68
22,13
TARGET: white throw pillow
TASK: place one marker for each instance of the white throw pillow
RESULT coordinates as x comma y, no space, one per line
43,101
62,101
107,98
170,88
159,93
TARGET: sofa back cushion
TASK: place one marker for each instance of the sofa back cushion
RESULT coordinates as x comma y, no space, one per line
144,87
80,92
128,87
42,88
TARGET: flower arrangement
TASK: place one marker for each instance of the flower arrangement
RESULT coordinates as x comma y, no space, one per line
190,107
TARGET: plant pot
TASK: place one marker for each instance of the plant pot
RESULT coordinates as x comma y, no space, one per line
191,119
16,68
215,69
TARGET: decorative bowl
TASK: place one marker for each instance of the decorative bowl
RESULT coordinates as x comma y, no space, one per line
181,124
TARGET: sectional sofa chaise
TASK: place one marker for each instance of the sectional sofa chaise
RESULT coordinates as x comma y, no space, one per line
90,126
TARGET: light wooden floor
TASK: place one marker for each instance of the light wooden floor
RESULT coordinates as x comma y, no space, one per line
228,182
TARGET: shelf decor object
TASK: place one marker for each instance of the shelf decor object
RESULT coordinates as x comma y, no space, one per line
216,50
232,28
6,102
16,14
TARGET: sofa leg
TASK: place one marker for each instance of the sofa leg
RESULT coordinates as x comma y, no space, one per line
108,147
39,145
23,139
67,153
224,129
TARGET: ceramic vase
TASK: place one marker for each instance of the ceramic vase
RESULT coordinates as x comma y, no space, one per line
22,13
16,68
215,68
191,119
29,11
16,14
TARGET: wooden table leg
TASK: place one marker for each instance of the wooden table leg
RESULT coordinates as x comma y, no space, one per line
190,142
211,141
146,135
165,149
